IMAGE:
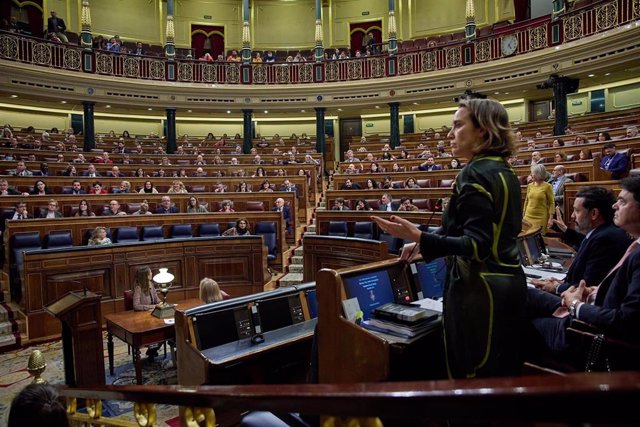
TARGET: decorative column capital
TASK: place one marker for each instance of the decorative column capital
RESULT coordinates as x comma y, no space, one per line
86,41
470,26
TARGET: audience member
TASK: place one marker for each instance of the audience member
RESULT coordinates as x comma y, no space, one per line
539,205
38,405
99,237
194,206
614,162
387,204
21,211
165,206
21,169
40,189
286,211
362,205
557,181
177,187
114,209
210,291
406,205
148,188
5,190
350,185
84,209
52,210
144,209
339,205
241,228
96,188
226,206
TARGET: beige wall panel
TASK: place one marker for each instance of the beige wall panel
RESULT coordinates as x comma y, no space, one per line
203,128
284,24
345,12
504,11
132,20
578,103
65,9
286,129
432,120
517,112
226,13
376,126
428,17
134,126
621,97
38,119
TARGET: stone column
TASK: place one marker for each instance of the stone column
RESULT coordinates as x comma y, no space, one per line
247,143
394,125
89,128
561,87
320,140
171,130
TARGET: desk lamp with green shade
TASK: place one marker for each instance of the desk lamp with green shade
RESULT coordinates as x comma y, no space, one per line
164,279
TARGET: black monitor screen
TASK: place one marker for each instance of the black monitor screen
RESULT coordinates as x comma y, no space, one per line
372,289
430,277
277,313
223,326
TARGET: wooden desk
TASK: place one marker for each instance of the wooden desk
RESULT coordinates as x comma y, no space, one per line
138,329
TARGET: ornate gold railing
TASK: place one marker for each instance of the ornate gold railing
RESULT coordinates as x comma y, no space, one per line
531,36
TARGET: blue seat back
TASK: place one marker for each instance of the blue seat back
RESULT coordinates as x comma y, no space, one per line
152,232
209,229
268,230
393,243
338,228
126,234
58,239
363,230
180,231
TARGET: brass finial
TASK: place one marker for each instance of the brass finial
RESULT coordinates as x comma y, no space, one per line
36,366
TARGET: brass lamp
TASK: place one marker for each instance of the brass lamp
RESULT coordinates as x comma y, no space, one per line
164,279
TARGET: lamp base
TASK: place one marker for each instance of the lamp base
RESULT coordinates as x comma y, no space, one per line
165,311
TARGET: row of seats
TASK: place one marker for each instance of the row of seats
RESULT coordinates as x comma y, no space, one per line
426,205
366,230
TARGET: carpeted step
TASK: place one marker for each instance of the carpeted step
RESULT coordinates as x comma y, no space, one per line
290,279
309,233
295,268
322,205
311,228
299,251
297,259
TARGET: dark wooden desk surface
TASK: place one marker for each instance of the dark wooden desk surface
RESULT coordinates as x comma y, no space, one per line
140,328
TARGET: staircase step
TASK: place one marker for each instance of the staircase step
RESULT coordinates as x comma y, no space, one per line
297,259
296,268
299,251
290,279
323,205
311,227
309,233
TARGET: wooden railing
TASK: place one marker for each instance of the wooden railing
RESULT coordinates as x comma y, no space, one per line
562,400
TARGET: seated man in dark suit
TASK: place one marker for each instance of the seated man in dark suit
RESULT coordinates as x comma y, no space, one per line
613,305
350,185
429,165
165,206
76,188
614,162
5,190
600,243
387,203
286,211
339,205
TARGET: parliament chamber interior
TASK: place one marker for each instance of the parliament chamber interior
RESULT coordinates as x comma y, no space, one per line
275,146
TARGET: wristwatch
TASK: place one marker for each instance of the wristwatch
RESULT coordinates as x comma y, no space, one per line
573,307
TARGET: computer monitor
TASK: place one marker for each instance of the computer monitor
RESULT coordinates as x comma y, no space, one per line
276,313
222,326
429,278
532,247
371,288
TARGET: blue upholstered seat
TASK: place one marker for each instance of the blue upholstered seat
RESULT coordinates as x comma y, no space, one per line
268,230
209,229
58,239
126,235
180,231
152,232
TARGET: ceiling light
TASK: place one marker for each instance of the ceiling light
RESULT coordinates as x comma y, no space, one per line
339,109
415,103
506,93
377,106
107,106
63,102
228,111
266,111
303,111
189,111
496,93
14,96
591,75
150,109
607,74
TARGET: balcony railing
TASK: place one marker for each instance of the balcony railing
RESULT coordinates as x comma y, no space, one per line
531,36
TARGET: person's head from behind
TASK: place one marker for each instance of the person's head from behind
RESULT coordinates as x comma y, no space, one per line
592,206
480,126
143,278
38,405
209,291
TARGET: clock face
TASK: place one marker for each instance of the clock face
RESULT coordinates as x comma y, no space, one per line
509,45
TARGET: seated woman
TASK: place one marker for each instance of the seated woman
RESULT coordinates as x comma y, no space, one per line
96,188
266,186
99,237
145,298
372,184
362,205
148,188
84,209
411,183
226,206
177,187
243,187
241,228
194,206
144,209
40,188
